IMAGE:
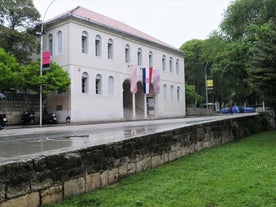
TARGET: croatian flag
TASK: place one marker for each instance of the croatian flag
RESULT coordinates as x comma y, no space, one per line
147,74
133,78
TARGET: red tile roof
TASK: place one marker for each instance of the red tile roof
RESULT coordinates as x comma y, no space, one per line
97,18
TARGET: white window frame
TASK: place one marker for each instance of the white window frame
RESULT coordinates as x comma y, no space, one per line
85,83
110,47
127,53
139,57
50,44
98,45
84,42
98,84
164,63
59,42
111,88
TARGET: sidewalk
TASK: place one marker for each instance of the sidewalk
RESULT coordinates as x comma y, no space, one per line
30,142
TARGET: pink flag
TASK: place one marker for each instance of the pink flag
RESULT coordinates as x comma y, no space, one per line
156,79
133,78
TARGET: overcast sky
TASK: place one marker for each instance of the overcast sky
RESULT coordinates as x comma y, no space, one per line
171,21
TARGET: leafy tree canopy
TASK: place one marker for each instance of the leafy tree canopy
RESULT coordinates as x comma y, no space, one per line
18,19
22,78
55,79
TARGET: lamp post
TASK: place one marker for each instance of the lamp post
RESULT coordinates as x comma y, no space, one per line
206,89
41,62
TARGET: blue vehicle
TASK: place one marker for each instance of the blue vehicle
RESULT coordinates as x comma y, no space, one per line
238,109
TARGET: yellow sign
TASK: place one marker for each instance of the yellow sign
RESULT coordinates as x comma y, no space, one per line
210,83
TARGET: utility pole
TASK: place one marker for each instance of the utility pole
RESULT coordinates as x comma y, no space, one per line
206,88
41,63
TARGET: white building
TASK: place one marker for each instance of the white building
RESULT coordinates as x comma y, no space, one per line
98,53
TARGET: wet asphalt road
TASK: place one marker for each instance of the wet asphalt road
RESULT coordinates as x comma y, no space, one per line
30,142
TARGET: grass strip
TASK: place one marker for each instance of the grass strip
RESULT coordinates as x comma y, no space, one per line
237,174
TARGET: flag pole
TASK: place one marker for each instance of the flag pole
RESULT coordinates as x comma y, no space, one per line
145,105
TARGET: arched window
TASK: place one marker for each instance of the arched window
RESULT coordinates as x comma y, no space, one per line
84,42
110,86
110,49
50,43
98,84
127,53
98,42
150,59
171,64
59,42
164,63
171,93
139,56
84,82
178,93
165,92
177,66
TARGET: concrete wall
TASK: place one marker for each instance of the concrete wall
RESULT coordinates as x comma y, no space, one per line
49,179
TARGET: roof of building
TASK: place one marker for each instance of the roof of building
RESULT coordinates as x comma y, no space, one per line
99,19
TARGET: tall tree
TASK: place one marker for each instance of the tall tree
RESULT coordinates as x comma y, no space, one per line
18,19
194,64
263,62
252,22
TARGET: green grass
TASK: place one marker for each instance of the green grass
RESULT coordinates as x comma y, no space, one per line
236,174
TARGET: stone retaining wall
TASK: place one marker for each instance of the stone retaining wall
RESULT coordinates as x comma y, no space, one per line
49,179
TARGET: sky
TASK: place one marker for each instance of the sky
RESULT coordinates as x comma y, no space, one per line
171,21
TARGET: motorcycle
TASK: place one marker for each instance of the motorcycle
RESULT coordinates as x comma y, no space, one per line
28,117
3,121
49,118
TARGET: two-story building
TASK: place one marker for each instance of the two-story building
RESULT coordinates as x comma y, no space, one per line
104,59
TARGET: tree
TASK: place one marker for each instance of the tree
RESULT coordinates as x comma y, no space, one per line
55,79
18,19
252,23
243,13
263,71
191,96
194,64
9,70
22,78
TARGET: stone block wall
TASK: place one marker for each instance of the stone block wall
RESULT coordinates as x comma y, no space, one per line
15,104
49,179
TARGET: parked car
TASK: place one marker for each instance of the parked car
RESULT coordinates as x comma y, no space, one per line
238,109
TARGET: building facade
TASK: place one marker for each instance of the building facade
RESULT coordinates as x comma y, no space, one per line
99,54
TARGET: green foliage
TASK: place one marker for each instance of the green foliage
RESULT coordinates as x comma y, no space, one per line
252,23
191,96
194,64
17,20
263,71
241,56
236,174
9,70
55,79
22,78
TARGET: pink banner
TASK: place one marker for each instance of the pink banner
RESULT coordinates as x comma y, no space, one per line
156,79
133,78
46,58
